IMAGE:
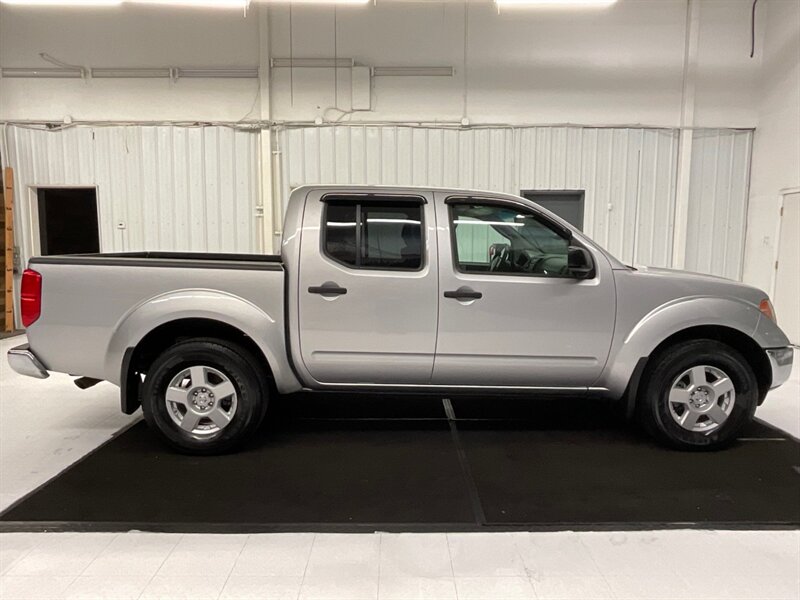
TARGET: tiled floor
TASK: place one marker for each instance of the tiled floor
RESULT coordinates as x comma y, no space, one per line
466,566
47,425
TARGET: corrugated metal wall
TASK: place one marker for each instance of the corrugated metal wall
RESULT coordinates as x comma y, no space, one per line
628,174
718,192
178,188
171,188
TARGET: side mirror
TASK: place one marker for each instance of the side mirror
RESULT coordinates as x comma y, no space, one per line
580,263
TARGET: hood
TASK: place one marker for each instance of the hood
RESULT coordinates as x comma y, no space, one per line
683,274
700,284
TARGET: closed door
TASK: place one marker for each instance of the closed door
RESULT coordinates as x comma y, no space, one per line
367,296
511,314
787,278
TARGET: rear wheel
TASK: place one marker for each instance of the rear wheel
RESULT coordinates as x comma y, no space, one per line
698,395
204,396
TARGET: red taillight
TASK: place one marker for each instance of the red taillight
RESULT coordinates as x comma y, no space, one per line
30,299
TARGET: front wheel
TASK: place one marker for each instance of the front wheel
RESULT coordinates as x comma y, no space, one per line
698,394
204,396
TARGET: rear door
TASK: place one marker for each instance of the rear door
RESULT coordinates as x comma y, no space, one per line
510,313
368,288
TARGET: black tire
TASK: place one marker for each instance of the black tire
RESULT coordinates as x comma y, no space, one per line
235,363
653,407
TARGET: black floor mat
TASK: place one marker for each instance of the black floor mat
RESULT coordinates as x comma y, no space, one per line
526,476
398,464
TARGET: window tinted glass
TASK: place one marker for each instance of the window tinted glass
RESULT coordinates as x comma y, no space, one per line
497,239
374,235
340,232
392,236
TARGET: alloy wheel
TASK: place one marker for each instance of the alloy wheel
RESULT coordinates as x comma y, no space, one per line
201,400
701,399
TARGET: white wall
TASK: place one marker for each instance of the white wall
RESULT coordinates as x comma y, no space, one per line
127,36
776,146
717,210
618,65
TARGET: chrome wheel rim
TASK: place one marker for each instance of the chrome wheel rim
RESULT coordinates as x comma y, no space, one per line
701,399
201,400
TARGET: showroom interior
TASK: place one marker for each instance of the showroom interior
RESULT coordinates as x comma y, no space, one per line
666,131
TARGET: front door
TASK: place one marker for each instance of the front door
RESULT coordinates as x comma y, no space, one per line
368,288
511,314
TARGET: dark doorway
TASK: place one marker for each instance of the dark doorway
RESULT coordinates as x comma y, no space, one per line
68,221
567,204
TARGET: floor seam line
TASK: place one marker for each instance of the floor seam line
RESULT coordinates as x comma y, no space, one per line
155,573
78,576
380,553
233,566
466,471
597,566
452,568
305,569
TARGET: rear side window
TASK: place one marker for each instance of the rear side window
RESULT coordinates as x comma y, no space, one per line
374,234
340,233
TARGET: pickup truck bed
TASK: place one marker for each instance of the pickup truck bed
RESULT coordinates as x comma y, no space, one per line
96,310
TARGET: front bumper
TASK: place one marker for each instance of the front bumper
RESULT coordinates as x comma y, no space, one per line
24,362
780,359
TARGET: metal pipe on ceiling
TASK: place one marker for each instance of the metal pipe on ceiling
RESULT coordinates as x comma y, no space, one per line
173,73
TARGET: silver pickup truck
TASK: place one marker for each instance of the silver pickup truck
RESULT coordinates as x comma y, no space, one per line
394,288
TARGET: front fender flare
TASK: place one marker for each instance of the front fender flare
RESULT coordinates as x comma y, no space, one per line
671,318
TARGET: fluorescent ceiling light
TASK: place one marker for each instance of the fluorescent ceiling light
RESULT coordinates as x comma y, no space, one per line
63,2
555,3
237,4
313,1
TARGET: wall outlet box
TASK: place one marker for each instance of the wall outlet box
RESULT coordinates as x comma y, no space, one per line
361,89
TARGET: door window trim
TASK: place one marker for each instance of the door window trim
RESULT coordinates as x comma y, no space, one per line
358,200
555,227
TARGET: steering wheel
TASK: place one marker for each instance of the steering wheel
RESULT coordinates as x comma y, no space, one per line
501,261
552,265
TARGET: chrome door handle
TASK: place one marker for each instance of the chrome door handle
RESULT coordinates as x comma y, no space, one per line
329,288
463,293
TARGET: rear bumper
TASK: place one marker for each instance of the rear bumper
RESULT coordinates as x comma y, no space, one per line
780,359
24,362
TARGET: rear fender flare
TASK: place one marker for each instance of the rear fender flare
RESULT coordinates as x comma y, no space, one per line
266,331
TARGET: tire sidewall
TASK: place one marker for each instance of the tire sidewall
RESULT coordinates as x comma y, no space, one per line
677,361
235,367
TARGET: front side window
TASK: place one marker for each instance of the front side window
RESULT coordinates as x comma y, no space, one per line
374,234
501,239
